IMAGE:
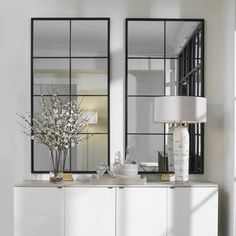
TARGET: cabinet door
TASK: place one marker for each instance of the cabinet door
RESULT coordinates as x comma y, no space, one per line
192,211
90,211
141,211
38,211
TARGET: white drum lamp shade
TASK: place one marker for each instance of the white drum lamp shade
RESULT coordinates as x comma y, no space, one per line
180,110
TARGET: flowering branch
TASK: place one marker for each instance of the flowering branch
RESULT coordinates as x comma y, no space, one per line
59,126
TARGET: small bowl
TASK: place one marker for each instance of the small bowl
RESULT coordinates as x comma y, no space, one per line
129,169
130,166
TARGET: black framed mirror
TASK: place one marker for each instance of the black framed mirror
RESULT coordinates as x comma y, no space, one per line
164,57
72,57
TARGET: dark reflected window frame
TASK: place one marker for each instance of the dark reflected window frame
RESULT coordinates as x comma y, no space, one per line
191,71
107,57
196,163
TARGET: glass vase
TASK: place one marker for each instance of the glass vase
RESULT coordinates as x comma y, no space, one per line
58,161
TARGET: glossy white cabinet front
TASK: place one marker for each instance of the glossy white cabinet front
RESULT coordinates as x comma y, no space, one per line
115,211
192,212
38,211
141,211
90,211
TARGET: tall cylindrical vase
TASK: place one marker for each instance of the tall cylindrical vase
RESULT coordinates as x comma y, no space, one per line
58,161
181,153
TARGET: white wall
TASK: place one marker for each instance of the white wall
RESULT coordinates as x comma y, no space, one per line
15,77
227,204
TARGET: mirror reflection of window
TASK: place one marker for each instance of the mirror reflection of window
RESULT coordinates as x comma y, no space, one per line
178,34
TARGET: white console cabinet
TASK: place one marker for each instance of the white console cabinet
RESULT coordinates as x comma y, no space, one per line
156,209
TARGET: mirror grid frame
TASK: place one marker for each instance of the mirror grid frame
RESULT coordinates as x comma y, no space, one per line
107,57
196,131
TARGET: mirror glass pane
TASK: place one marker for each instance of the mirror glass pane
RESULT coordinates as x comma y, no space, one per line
146,148
172,76
92,151
89,38
146,76
190,77
51,74
51,38
89,76
97,107
140,116
42,158
178,34
146,38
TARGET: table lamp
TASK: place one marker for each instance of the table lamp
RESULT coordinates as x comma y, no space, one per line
180,111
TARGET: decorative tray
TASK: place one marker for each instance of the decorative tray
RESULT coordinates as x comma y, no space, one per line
119,180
